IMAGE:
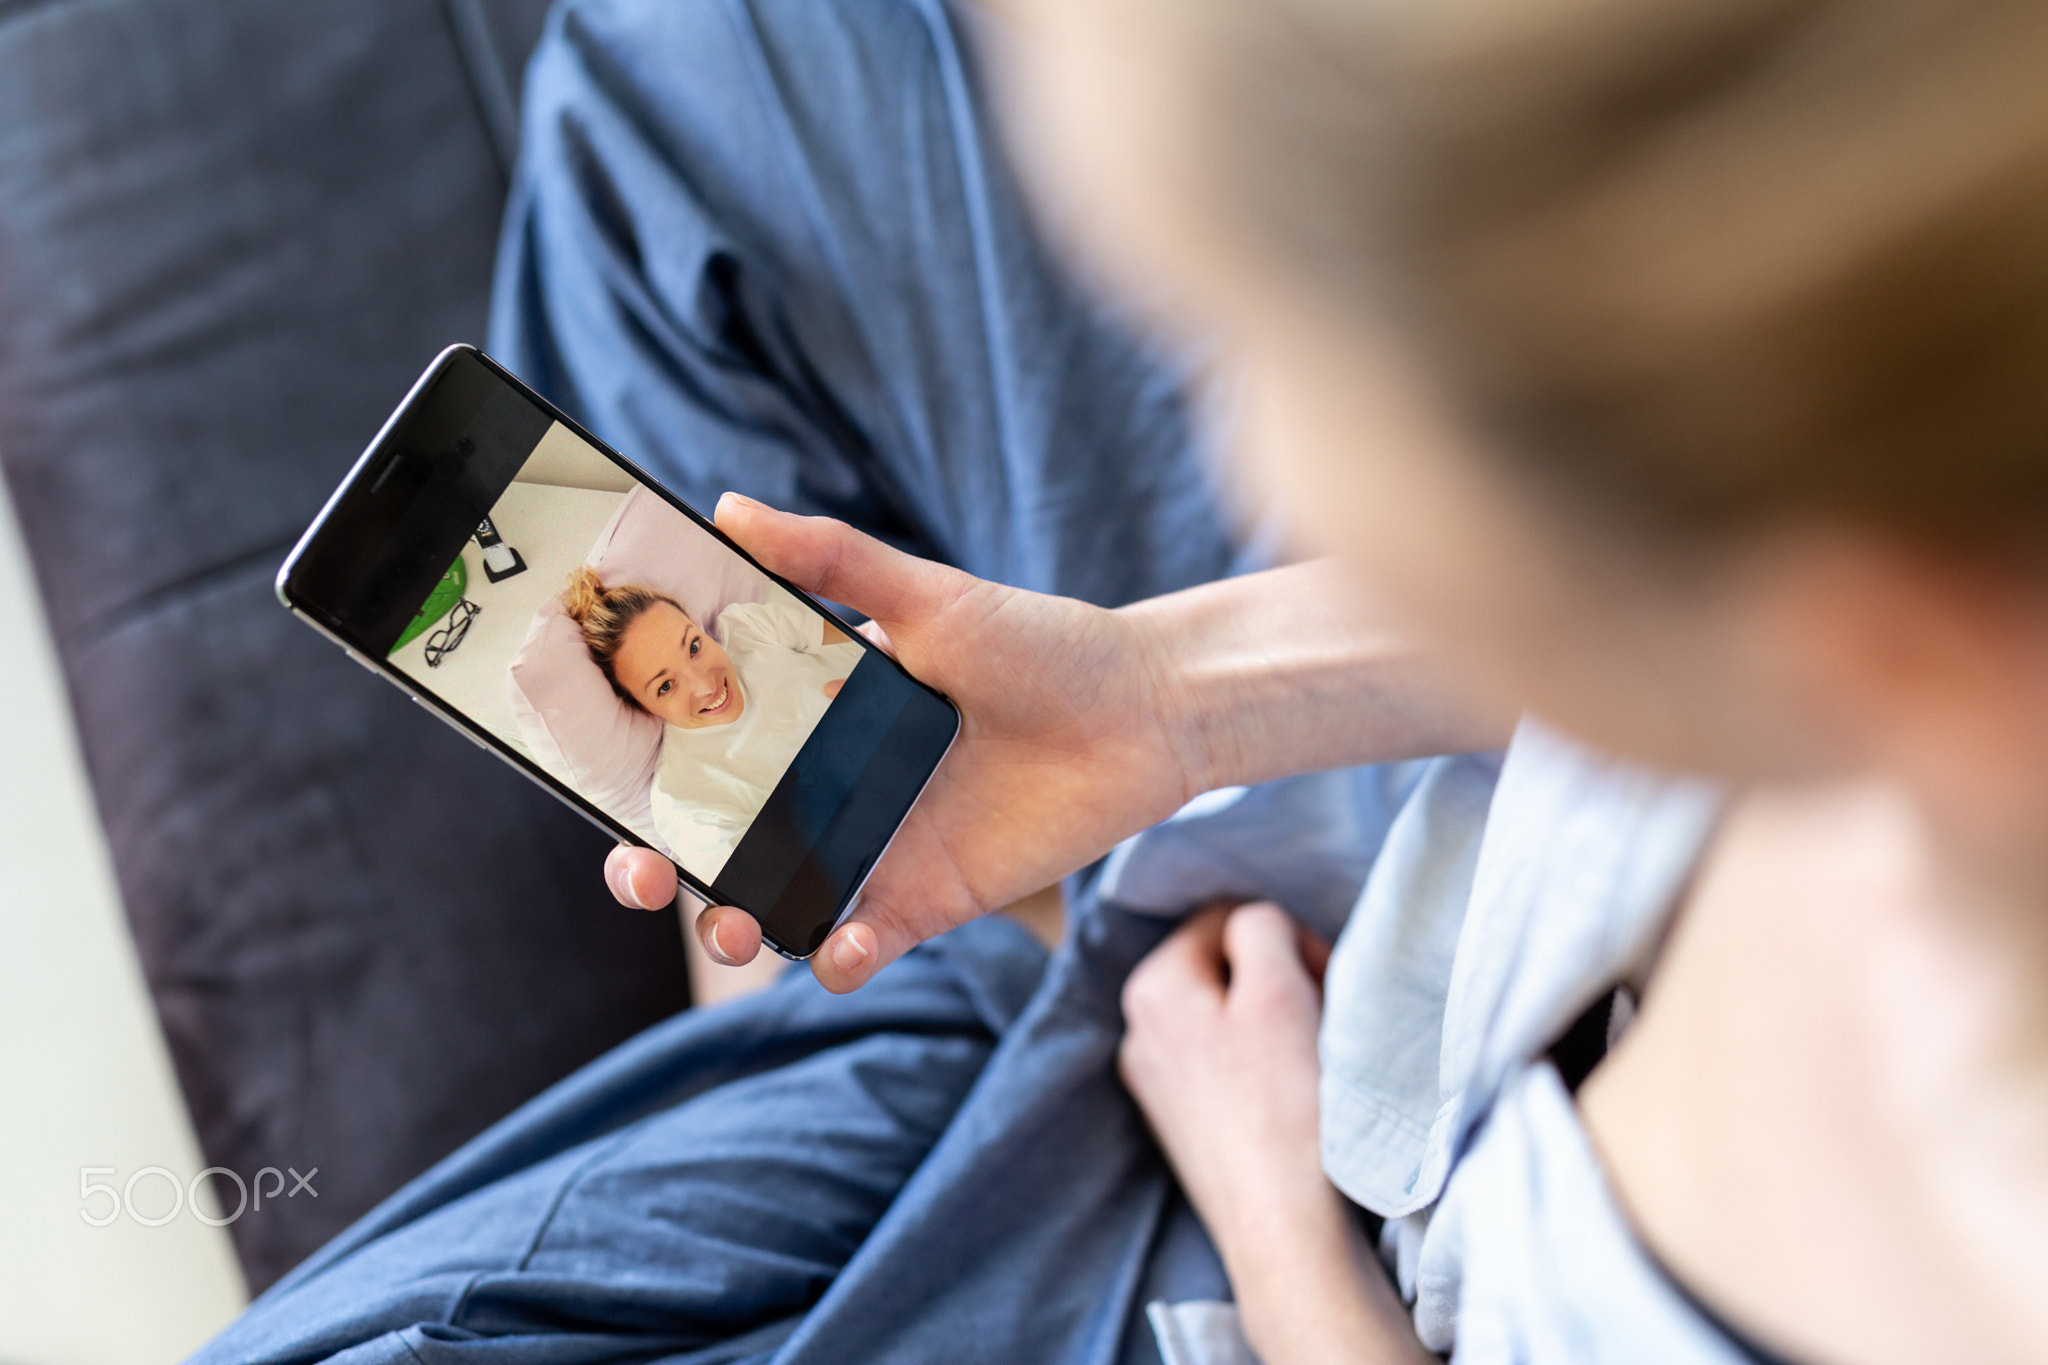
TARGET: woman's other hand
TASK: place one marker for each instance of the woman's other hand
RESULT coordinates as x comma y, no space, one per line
1219,1051
1064,749
832,688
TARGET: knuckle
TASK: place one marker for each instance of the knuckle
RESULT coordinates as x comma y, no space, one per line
1265,915
1142,994
1132,998
1135,1065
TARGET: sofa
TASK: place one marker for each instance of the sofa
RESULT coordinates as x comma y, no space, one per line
231,233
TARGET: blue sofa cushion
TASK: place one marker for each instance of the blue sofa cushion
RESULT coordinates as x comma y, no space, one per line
231,232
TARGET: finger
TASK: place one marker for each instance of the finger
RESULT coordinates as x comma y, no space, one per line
836,562
1262,946
1181,979
849,959
1199,941
640,878
874,934
878,637
729,934
1192,956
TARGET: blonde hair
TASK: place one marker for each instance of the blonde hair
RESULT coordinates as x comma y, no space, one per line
603,615
1708,263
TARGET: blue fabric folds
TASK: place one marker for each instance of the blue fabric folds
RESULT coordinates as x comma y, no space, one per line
941,1166
771,246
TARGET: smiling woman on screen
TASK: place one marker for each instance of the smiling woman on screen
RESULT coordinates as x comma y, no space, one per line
734,713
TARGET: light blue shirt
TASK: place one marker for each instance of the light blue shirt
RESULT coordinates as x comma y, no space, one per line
1501,896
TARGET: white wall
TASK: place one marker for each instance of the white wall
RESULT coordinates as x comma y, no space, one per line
84,1077
564,460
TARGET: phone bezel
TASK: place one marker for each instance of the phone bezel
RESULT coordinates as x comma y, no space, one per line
480,736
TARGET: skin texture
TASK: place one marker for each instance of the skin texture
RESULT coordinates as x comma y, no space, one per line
1832,1117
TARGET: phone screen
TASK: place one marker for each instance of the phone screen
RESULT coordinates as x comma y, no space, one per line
613,644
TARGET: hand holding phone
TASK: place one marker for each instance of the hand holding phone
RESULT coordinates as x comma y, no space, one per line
1065,749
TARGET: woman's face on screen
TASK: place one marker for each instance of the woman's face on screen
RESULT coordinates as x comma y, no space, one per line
676,672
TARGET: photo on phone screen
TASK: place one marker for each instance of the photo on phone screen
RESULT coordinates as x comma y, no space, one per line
511,571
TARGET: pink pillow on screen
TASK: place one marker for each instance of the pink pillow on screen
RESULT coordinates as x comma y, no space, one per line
567,712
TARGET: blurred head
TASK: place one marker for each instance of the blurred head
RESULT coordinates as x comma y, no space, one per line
655,656
1682,366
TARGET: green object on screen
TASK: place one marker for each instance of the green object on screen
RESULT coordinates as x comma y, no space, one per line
439,603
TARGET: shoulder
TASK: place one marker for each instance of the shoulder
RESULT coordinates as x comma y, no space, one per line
1503,902
782,623
742,616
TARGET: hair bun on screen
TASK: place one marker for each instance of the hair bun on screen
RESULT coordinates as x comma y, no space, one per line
576,726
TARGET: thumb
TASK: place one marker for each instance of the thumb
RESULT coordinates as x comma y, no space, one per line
1263,947
830,559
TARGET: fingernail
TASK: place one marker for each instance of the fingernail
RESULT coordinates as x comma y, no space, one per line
719,950
622,887
848,952
736,499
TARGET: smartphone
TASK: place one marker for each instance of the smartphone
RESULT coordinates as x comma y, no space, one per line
543,595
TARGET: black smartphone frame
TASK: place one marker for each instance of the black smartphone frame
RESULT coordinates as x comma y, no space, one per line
311,613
